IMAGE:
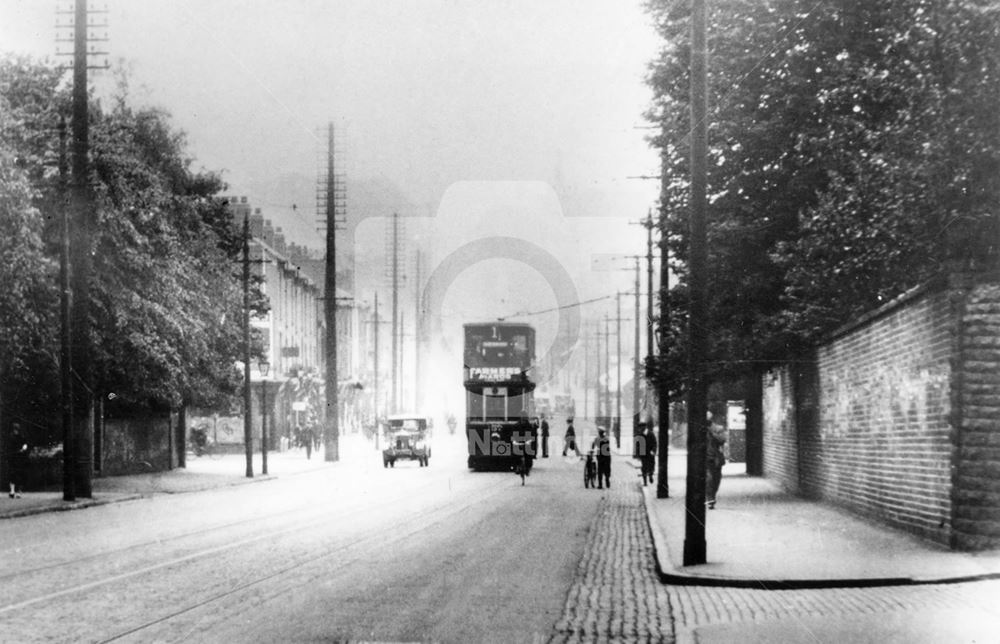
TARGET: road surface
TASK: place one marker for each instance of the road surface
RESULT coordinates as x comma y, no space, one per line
352,552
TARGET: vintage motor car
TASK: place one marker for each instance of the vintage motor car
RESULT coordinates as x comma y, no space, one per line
406,438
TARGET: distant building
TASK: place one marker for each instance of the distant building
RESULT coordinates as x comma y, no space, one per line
295,327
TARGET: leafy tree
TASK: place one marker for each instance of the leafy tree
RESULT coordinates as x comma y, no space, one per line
29,298
166,296
851,149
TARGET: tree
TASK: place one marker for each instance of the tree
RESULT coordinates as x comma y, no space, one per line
165,294
29,298
851,149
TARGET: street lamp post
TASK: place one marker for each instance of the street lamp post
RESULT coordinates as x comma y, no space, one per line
264,366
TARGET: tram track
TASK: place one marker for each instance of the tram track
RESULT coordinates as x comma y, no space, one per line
171,553
403,530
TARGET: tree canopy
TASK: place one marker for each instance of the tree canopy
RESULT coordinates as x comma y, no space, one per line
166,296
854,147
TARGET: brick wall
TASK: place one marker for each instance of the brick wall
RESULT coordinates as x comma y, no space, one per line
780,438
976,493
865,423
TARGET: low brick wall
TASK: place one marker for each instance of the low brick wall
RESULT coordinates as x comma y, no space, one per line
897,417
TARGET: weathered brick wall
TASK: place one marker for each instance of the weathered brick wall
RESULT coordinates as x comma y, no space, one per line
780,437
884,443
977,478
865,422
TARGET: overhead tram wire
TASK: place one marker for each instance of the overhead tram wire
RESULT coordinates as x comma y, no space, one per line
557,308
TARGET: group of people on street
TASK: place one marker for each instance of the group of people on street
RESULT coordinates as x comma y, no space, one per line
715,458
600,449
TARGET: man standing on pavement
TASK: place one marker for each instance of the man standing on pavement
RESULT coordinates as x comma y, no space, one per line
647,452
714,459
602,450
545,437
569,439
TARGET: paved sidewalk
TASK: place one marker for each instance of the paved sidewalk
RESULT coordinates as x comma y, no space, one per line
202,473
760,537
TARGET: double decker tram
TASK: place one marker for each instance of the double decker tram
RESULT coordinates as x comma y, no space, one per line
498,357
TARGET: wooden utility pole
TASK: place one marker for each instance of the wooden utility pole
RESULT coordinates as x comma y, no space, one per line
395,310
598,385
636,373
402,334
77,455
607,367
650,348
417,324
695,550
65,335
375,374
617,420
331,434
663,385
586,370
247,398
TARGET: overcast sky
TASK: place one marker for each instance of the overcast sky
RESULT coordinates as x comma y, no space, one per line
447,101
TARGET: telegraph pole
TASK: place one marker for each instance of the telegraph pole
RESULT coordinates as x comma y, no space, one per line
607,366
598,387
417,324
694,533
586,370
78,454
618,371
331,437
375,377
649,282
663,386
635,367
395,310
402,351
247,401
65,335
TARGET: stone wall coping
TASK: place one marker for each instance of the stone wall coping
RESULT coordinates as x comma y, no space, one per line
938,283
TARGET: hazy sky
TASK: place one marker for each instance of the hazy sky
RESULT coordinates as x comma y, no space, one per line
439,99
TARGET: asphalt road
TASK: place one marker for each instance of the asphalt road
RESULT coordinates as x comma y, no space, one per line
353,552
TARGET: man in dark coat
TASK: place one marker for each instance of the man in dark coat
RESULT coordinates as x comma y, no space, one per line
569,438
714,459
545,437
647,452
527,434
602,452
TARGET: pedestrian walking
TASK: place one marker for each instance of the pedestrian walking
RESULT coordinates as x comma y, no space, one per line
526,434
306,439
715,458
569,438
602,451
545,437
18,462
647,452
